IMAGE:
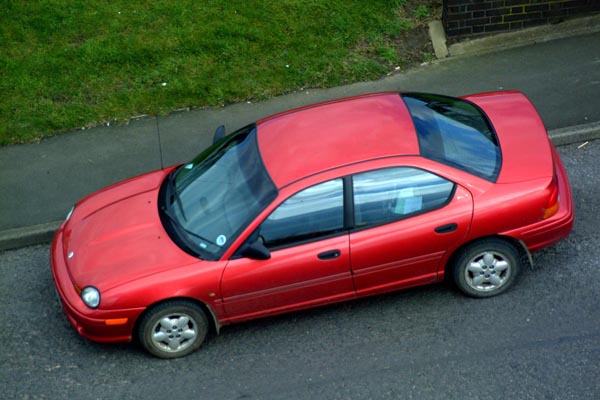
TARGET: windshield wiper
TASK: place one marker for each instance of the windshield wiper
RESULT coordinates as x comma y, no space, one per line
176,195
183,228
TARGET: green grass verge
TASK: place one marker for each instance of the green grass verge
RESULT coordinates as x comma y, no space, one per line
65,64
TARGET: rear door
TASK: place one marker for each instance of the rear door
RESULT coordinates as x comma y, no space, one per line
406,218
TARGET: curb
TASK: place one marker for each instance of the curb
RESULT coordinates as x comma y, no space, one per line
574,134
43,233
525,37
27,236
508,40
504,41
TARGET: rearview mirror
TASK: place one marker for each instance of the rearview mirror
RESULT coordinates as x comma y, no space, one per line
219,134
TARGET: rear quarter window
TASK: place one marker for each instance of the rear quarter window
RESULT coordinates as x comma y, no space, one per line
455,132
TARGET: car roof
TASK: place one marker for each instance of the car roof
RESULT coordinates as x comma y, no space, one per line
308,140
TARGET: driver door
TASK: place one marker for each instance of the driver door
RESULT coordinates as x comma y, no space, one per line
309,260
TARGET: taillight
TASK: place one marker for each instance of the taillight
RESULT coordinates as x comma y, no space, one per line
553,201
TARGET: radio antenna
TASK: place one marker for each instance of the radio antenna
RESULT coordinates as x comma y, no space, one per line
159,143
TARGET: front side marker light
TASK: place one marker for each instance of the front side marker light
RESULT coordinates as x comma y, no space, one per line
116,321
90,296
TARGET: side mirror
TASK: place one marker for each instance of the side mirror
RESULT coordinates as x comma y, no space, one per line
219,134
256,251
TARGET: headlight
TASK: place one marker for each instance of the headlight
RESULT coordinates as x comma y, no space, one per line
70,213
90,296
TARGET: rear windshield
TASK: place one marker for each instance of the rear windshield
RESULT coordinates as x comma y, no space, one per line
455,132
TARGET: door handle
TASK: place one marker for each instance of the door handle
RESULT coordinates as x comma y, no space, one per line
329,255
446,228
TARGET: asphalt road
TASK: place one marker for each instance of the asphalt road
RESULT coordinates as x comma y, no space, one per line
539,340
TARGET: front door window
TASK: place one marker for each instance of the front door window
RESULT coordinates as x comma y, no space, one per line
313,213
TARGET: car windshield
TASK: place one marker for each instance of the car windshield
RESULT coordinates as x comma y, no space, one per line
216,195
455,132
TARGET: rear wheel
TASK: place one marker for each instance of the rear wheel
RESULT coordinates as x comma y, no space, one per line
173,329
486,268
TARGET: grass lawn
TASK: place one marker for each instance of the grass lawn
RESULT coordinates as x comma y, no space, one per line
66,64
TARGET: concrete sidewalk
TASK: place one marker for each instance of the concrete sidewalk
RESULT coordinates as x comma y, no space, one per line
40,182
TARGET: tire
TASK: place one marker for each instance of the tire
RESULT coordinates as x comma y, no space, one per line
173,329
486,268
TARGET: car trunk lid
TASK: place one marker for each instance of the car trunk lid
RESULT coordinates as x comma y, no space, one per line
523,138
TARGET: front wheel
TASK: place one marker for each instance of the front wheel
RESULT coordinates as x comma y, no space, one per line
173,329
486,268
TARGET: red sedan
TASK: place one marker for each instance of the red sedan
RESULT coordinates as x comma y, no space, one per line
317,205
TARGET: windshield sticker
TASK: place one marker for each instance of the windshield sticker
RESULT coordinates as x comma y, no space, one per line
189,166
203,245
221,240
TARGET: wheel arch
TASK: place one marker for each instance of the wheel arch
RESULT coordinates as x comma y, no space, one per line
214,325
519,245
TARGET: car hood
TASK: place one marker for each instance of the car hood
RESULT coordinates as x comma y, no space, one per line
115,236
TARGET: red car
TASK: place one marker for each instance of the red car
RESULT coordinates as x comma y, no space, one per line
317,205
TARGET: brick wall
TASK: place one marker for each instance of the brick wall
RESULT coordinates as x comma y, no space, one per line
482,17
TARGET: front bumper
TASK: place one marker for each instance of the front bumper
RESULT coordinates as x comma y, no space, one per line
98,325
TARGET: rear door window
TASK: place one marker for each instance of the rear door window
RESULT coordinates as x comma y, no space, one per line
390,194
